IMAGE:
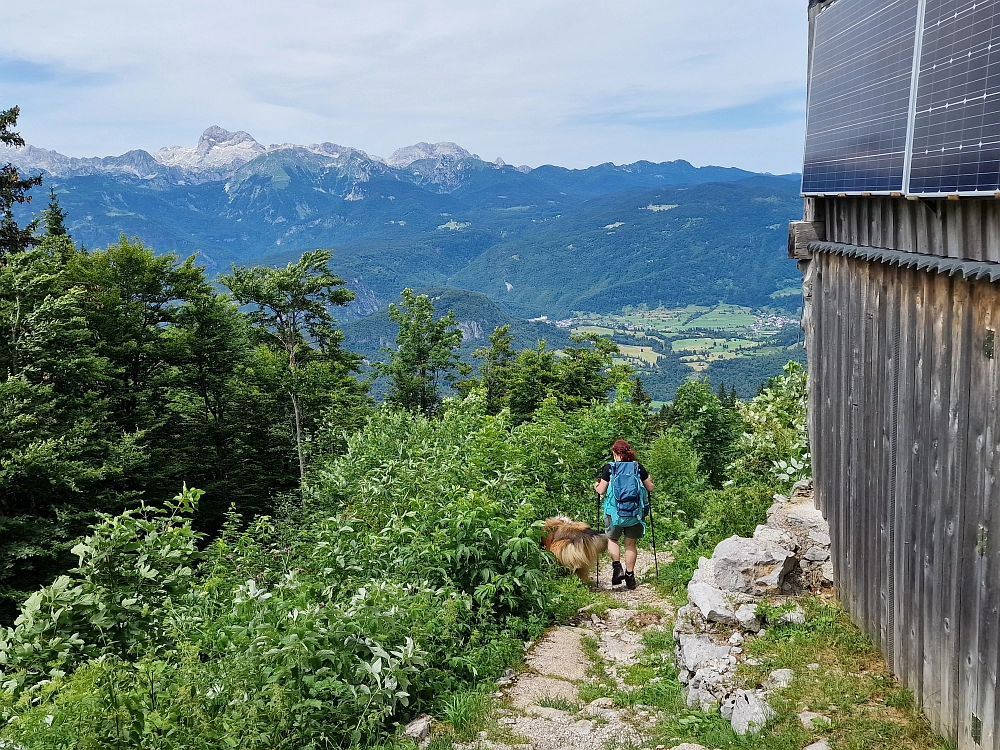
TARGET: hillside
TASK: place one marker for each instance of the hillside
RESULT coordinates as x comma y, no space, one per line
477,317
433,215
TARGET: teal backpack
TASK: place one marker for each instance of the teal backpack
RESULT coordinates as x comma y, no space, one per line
627,496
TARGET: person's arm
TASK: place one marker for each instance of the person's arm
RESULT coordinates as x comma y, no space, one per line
648,483
600,486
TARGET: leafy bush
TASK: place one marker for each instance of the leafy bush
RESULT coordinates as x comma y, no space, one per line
775,447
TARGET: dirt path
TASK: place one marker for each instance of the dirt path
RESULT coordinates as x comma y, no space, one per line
545,706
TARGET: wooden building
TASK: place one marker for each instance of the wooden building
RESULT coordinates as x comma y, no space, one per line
901,315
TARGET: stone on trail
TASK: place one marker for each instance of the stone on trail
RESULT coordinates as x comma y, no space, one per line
750,712
796,616
747,618
750,566
820,745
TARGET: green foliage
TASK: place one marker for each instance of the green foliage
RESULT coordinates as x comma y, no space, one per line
775,447
291,314
425,356
674,464
572,378
711,427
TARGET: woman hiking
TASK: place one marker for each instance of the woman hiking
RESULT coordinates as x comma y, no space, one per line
625,507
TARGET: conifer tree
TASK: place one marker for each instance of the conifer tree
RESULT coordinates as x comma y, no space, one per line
13,191
54,218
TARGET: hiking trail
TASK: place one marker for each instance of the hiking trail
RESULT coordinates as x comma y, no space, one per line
542,706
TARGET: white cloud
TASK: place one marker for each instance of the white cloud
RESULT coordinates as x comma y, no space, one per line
572,82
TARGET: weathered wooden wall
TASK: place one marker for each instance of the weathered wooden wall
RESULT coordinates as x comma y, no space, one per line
968,228
906,448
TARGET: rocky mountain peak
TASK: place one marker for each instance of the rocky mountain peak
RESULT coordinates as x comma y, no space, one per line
218,151
446,150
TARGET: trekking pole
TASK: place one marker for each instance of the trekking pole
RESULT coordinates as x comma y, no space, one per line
600,524
652,526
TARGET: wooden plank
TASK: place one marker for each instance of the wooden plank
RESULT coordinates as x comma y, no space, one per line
953,509
989,632
973,573
896,510
932,604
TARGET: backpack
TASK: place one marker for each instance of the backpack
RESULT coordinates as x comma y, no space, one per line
628,493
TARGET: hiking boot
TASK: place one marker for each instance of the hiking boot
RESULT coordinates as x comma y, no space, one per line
617,573
629,580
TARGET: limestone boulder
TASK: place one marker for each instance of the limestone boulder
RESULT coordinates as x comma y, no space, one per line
751,712
750,566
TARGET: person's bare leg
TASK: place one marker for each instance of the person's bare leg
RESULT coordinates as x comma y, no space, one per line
615,551
630,554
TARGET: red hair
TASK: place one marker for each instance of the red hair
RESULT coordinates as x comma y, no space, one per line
624,450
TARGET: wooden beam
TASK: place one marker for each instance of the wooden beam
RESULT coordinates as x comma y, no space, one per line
800,234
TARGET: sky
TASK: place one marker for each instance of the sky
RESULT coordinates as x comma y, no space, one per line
568,82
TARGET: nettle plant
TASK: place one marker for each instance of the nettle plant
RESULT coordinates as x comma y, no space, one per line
111,603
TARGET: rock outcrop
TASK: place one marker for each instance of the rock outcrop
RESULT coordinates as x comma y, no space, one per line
786,556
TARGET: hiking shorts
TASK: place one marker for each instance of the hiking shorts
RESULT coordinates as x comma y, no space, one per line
614,533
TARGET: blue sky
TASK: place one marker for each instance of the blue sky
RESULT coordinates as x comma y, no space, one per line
565,82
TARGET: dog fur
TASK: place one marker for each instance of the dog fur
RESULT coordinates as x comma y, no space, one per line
575,545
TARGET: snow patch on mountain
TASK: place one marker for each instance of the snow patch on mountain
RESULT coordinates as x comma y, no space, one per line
444,151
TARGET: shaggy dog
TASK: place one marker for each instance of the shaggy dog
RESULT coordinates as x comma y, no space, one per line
575,545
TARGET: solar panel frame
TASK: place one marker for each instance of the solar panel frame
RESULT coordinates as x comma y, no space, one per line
859,106
955,136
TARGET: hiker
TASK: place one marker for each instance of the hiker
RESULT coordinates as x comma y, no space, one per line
625,507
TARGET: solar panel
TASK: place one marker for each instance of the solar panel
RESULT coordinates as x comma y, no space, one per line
859,97
956,125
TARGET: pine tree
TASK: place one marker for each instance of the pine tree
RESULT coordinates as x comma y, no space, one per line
14,191
54,218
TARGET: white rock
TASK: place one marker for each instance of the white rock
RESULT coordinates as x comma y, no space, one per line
817,554
774,536
821,538
736,639
419,728
695,650
813,667
582,727
820,745
700,697
779,678
602,703
747,618
751,566
796,616
811,720
712,602
828,572
750,712
727,706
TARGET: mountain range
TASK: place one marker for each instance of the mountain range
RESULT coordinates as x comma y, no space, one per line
545,240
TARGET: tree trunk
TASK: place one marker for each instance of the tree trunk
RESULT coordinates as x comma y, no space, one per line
298,443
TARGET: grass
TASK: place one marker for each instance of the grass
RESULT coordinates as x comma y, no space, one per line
868,709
